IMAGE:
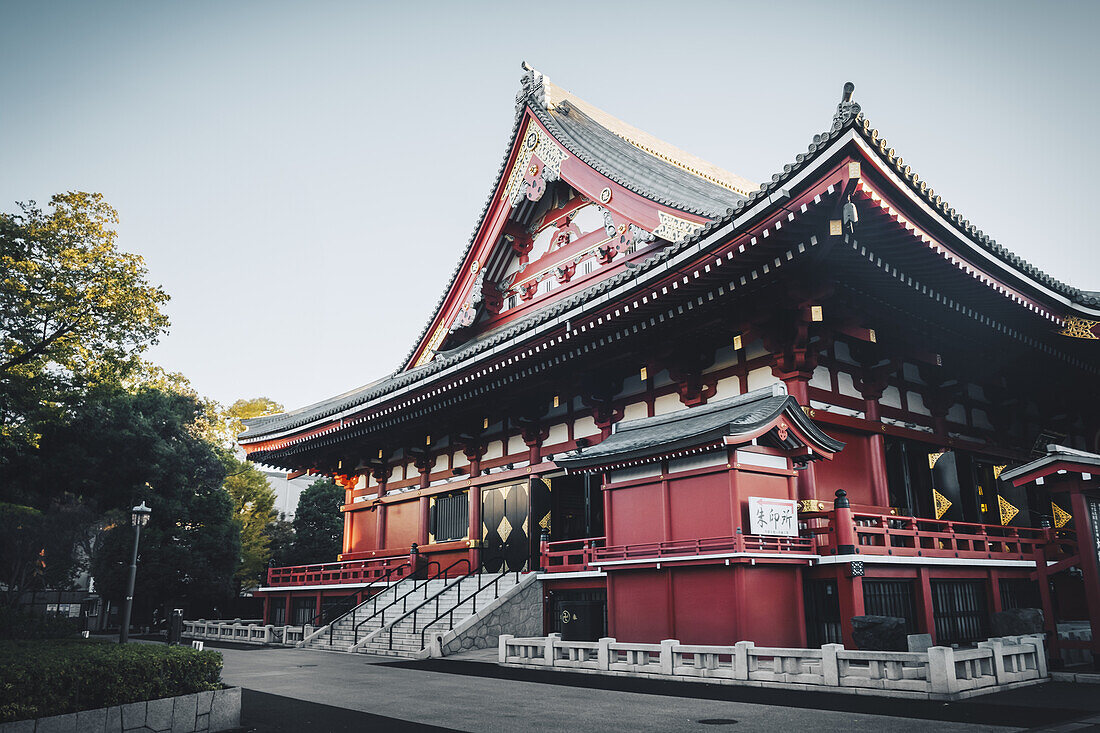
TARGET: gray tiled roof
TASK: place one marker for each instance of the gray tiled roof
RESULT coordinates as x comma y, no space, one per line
736,416
1055,454
631,167
849,117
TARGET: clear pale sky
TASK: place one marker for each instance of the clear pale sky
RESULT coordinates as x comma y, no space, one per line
301,177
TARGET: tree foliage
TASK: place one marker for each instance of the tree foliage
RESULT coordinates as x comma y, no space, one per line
254,509
73,309
318,523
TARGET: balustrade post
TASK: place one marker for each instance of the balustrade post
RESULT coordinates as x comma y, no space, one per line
603,654
667,656
844,524
830,665
941,669
549,655
502,647
741,659
997,647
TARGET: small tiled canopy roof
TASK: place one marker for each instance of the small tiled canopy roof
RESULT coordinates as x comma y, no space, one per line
745,416
1057,456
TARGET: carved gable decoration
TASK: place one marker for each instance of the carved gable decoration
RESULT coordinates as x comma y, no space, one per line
539,162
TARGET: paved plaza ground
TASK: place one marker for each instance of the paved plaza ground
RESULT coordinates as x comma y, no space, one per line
299,690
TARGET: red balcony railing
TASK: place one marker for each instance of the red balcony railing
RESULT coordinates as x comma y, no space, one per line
874,534
884,534
570,556
335,573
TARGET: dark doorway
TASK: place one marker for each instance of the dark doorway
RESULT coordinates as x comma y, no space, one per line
506,527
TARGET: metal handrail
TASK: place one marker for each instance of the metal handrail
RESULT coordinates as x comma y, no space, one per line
385,577
450,612
422,583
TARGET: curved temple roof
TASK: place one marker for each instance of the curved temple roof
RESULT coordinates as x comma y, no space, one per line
588,134
741,416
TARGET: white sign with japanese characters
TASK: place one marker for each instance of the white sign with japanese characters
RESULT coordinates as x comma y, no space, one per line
773,516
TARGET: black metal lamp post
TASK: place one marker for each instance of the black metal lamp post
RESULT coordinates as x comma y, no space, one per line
139,517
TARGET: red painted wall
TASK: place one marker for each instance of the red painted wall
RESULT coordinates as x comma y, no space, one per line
364,530
700,507
850,469
402,524
636,515
638,607
708,604
704,605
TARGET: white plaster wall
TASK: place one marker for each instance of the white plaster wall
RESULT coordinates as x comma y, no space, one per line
916,403
460,460
495,449
841,352
516,445
761,377
957,413
667,403
728,387
558,434
891,397
821,378
847,385
635,411
583,427
911,372
981,420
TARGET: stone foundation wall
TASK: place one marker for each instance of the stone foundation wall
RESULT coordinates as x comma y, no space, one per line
200,712
520,615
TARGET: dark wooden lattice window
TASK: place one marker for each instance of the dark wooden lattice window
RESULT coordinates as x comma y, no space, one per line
1017,593
822,612
960,610
304,609
890,598
451,517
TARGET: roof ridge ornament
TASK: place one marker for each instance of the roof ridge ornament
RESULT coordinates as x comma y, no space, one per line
534,86
847,109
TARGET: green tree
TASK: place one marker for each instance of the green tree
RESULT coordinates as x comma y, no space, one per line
121,448
254,509
318,523
73,310
281,539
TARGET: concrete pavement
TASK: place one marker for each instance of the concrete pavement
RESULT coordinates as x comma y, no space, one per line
299,690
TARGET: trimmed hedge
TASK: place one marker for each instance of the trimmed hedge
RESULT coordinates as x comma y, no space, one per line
42,678
19,624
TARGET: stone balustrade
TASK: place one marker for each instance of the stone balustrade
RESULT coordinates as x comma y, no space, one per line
939,673
246,633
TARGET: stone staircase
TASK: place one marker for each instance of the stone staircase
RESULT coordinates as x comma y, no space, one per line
403,610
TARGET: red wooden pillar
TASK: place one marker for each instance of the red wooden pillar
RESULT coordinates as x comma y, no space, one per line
850,592
286,610
995,591
380,525
880,487
1090,567
607,524
475,528
926,620
422,533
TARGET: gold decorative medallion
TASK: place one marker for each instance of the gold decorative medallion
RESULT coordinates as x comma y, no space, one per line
1061,516
941,502
933,458
504,529
997,471
1080,328
1007,510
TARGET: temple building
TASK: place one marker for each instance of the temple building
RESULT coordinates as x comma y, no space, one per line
692,406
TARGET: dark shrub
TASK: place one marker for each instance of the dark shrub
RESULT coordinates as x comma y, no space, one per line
18,624
42,678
